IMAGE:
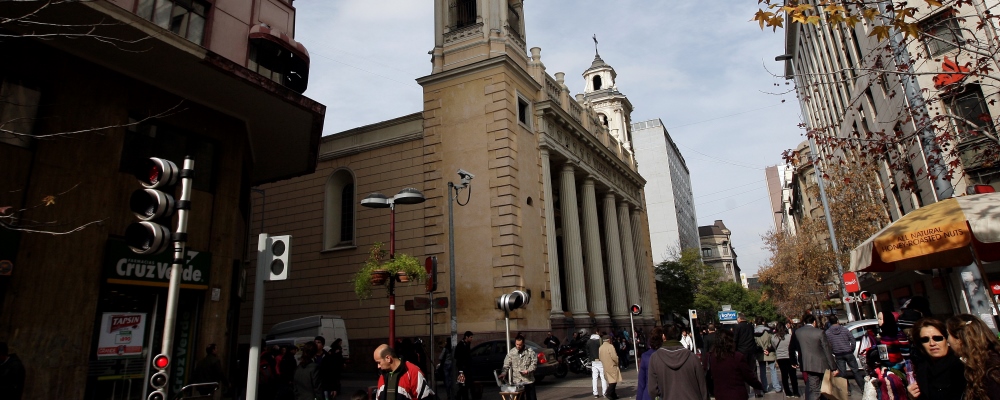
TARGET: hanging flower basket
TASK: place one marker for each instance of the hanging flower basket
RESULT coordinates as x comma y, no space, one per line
379,268
402,277
379,277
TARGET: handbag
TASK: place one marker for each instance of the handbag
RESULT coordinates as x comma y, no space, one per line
834,387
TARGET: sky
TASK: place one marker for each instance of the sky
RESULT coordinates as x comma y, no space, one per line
700,66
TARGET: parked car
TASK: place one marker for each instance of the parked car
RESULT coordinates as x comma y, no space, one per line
489,356
858,329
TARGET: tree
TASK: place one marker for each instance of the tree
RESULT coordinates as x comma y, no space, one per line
749,302
680,278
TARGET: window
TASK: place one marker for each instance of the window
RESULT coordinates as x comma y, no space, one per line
278,64
597,82
338,230
706,252
464,12
972,119
183,17
603,118
18,109
942,33
154,139
514,17
523,111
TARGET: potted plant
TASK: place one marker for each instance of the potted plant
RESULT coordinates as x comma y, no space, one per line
379,268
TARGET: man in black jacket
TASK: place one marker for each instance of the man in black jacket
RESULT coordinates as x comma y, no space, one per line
746,344
463,358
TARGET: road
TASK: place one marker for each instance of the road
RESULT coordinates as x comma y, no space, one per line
551,388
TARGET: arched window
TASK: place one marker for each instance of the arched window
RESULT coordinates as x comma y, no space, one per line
603,118
597,82
338,211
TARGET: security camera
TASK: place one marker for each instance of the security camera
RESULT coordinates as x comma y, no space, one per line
466,175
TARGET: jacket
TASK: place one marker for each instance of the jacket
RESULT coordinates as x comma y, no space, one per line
763,339
743,337
781,348
517,361
641,383
675,374
306,382
729,376
409,381
817,357
463,356
609,357
594,347
942,379
841,339
707,342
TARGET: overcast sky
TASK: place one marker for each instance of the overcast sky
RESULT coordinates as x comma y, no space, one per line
700,66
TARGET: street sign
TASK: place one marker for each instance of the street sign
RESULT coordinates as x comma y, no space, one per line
851,282
728,317
441,302
848,299
727,307
693,314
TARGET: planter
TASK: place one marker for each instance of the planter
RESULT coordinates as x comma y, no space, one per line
402,277
379,277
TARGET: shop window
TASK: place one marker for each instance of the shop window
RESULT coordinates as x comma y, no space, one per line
18,110
339,210
183,17
154,139
942,33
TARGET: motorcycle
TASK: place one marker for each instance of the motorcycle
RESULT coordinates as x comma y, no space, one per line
574,359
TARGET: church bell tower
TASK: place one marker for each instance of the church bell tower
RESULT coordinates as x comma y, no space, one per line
611,106
469,31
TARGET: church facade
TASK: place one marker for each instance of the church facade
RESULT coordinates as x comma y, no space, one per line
556,207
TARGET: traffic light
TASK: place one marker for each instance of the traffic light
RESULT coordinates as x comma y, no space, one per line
274,254
431,265
636,309
159,379
153,206
513,301
864,296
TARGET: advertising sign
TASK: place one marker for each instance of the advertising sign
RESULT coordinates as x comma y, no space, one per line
851,282
995,287
123,266
728,317
121,335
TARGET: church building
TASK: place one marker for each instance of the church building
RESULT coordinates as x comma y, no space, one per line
556,206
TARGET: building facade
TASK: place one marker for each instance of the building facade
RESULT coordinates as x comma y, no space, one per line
97,88
555,207
717,250
669,199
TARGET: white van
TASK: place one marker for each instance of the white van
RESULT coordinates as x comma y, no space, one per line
330,327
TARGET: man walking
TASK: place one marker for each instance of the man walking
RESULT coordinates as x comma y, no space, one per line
399,379
209,369
675,372
708,341
842,344
520,363
596,367
746,344
463,358
817,357
609,358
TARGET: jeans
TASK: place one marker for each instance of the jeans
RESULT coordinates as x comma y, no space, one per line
529,392
849,360
789,378
774,385
597,372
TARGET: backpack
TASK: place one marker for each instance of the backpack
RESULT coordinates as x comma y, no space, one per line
266,374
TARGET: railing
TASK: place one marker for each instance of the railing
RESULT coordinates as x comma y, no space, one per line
575,110
552,88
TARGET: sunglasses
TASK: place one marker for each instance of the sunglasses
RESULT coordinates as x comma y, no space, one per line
936,338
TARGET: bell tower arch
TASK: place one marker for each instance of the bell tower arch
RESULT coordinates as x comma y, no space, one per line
601,92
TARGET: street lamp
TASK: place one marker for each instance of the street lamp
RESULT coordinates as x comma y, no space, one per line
379,200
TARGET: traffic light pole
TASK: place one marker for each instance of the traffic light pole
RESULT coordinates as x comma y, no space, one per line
635,349
180,244
257,319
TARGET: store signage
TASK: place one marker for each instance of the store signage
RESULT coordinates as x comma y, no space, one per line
728,317
851,282
123,266
995,287
121,335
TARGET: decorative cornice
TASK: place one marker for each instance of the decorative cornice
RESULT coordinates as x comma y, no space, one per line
475,67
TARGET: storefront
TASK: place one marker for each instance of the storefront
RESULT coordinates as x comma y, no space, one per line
129,321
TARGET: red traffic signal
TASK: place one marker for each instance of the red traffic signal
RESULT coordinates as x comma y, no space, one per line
157,172
161,361
635,309
864,296
153,206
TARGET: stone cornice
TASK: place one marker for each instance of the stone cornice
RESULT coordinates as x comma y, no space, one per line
477,66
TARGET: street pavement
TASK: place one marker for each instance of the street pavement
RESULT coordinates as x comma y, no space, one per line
551,388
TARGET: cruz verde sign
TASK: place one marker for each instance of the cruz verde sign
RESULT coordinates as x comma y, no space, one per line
123,266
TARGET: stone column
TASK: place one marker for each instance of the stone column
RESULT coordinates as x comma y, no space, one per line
596,295
555,291
628,253
616,272
642,264
572,253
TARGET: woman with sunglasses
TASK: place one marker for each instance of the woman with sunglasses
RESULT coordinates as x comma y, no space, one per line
978,346
939,372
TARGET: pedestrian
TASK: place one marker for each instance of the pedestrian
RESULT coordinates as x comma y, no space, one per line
330,368
655,341
939,373
551,342
686,340
972,340
306,383
892,342
765,357
612,373
446,362
463,359
842,343
11,374
596,366
787,362
320,348
743,336
817,357
708,340
621,347
674,372
399,379
209,369
731,373
519,368
286,373
267,377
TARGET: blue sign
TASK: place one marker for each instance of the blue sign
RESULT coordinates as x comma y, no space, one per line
728,316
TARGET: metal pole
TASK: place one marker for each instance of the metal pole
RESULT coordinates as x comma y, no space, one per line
829,223
180,243
635,350
506,318
451,282
430,315
392,279
149,354
257,320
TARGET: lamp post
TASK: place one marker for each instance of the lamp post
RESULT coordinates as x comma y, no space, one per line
379,200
